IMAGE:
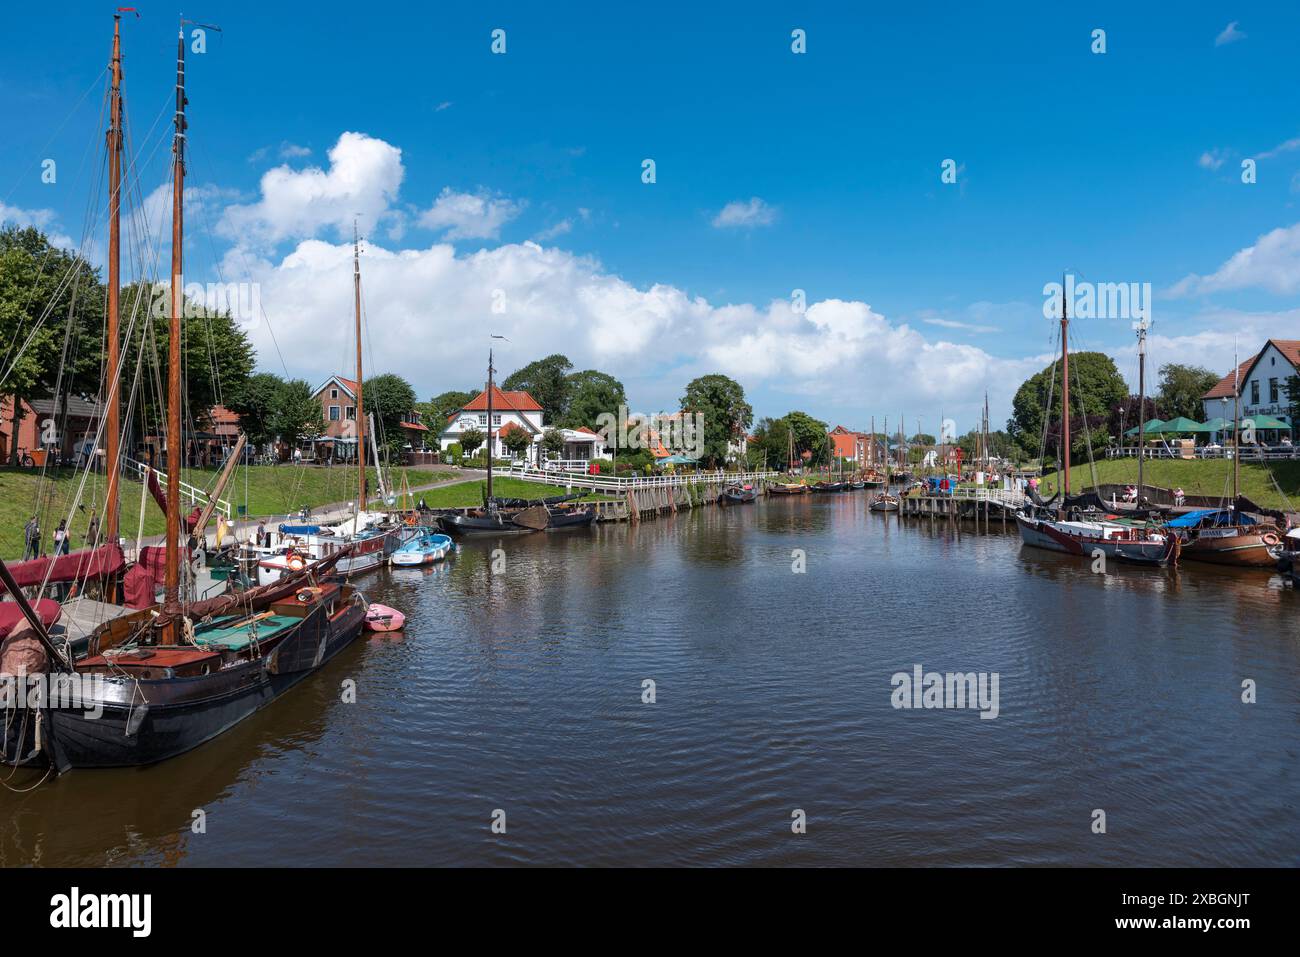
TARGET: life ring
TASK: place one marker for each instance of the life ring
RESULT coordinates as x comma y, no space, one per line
1270,538
410,520
295,563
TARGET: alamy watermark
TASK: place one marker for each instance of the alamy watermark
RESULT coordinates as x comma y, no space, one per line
1104,300
67,692
678,433
955,690
242,301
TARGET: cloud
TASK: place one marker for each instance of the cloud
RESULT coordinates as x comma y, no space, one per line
434,301
293,151
956,324
559,229
741,214
1212,159
362,181
1230,34
1273,264
470,215
444,105
43,219
1284,147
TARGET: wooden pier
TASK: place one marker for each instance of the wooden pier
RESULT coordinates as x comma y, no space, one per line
986,506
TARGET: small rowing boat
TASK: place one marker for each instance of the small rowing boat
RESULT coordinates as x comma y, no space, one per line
739,494
788,488
382,618
426,548
885,503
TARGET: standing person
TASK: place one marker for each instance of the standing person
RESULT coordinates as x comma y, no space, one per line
61,538
261,534
92,529
32,538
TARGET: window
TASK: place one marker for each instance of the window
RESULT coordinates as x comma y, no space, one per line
496,418
334,413
1254,392
1272,390
351,412
334,393
482,419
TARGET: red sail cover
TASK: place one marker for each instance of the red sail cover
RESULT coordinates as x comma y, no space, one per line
75,566
10,614
142,580
159,496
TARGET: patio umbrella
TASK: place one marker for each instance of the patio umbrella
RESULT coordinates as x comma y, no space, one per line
1181,424
1149,427
1217,424
1265,422
677,460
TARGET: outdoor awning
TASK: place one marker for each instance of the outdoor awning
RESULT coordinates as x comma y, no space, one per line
677,460
1265,422
1181,424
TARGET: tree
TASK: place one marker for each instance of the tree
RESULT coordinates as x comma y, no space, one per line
922,438
546,380
590,394
1096,387
390,399
51,318
436,411
727,415
471,440
516,441
1181,388
553,441
255,400
297,414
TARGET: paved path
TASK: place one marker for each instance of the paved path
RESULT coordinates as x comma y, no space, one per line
319,515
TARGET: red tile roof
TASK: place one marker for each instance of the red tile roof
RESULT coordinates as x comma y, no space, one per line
503,402
1290,349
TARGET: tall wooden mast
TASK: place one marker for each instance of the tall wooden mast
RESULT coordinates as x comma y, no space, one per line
112,400
1142,402
361,412
489,430
1236,431
175,454
1065,390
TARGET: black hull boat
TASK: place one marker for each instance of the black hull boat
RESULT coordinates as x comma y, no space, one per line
831,487
738,496
139,703
493,522
571,518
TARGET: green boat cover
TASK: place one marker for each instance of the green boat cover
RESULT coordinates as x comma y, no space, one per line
241,636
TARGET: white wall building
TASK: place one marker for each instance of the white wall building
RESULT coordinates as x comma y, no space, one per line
1262,380
510,410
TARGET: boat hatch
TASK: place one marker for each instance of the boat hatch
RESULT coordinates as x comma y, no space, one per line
238,633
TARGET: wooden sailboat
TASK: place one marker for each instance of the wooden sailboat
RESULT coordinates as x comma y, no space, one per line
369,538
157,684
491,519
1121,541
1228,536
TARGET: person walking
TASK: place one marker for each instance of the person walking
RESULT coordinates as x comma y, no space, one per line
61,538
92,529
32,538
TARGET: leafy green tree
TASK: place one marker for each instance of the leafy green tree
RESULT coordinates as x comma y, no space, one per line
51,320
1096,387
727,415
1293,400
553,441
471,440
922,438
516,441
546,380
297,414
389,398
590,394
435,412
255,400
1181,388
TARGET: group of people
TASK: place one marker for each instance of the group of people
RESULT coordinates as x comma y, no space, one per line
62,536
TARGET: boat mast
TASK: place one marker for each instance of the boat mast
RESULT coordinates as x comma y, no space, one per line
1142,400
1236,430
489,430
175,456
360,407
1065,391
112,423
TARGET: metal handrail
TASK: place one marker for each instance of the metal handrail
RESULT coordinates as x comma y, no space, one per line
194,494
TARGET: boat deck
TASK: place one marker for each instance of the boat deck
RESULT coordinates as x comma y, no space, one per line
238,633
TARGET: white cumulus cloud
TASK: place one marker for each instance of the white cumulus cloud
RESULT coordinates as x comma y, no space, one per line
1273,264
741,214
470,215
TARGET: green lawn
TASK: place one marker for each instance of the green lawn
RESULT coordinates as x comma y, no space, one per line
268,490
1211,477
467,494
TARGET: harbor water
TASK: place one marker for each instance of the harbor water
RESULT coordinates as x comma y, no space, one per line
520,693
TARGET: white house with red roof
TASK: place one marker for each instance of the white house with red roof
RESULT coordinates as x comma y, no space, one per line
1262,381
510,410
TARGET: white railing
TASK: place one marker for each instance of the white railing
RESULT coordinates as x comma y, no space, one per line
1249,453
978,494
193,494
620,485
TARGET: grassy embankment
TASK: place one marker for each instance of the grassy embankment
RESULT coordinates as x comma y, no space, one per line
268,491
1211,477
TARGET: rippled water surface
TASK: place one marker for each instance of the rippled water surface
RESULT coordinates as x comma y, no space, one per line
523,692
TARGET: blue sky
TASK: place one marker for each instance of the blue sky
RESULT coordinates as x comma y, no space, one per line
1121,167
